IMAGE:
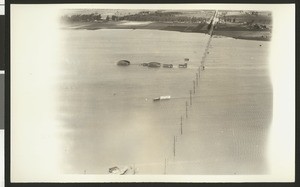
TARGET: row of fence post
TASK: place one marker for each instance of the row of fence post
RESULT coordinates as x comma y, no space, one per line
191,92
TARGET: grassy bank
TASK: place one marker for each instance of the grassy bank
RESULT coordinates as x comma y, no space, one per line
170,26
237,33
246,35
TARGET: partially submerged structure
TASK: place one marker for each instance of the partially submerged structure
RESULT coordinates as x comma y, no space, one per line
186,60
118,171
168,65
182,65
154,64
167,97
123,63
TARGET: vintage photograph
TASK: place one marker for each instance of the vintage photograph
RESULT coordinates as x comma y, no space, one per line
164,92
136,91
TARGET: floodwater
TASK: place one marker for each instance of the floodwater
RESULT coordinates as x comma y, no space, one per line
110,119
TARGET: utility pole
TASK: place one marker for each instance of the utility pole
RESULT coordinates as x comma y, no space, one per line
194,87
174,149
186,109
190,97
181,126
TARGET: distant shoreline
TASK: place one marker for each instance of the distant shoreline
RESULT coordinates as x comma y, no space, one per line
171,26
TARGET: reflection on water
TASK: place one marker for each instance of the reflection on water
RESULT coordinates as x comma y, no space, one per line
111,120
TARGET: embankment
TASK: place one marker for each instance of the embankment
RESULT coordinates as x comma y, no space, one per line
171,26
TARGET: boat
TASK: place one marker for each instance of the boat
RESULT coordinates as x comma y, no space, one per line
168,65
167,97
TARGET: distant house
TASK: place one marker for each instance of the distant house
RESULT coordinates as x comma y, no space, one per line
144,13
254,13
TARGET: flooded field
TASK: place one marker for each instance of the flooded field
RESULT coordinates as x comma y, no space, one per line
229,121
109,118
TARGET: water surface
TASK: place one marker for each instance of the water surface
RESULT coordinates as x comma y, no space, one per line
111,120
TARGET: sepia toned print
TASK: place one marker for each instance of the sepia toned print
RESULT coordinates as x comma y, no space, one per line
145,92
189,100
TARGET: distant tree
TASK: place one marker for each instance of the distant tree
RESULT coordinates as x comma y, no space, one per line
114,18
81,18
97,17
161,16
107,18
194,19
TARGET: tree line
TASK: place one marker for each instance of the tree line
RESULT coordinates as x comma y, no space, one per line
162,17
81,18
157,16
